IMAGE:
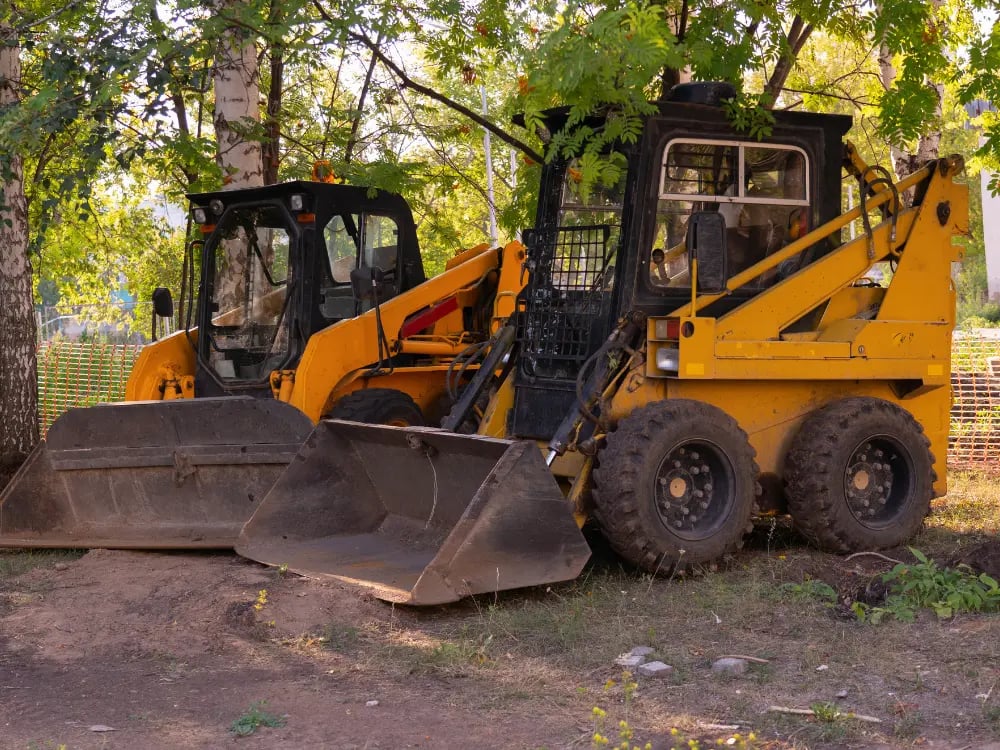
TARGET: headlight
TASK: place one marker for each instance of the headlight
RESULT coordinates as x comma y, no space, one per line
217,206
297,202
200,215
668,359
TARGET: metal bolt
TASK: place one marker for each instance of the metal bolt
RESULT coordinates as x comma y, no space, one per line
677,464
694,469
708,488
698,493
693,519
663,480
694,456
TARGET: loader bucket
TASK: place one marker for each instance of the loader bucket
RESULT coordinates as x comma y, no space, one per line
421,516
153,474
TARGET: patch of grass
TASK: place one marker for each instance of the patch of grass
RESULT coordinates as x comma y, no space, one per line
810,589
17,562
340,638
253,719
446,657
908,725
970,507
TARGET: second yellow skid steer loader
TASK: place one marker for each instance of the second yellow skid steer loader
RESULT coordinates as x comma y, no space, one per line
696,344
331,316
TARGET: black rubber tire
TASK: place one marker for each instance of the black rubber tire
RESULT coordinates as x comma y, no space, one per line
379,406
828,462
631,506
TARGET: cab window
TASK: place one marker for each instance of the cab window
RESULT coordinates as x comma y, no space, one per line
761,190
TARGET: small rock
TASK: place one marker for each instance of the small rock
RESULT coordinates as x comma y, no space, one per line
842,693
60,566
729,665
101,728
822,667
371,704
655,669
641,651
629,661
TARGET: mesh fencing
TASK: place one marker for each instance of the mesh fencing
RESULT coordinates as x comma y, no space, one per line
85,373
974,441
81,374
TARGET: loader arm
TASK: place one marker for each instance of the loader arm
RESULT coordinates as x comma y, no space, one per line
321,378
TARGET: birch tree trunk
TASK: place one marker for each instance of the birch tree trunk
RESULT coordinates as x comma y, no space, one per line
18,366
237,119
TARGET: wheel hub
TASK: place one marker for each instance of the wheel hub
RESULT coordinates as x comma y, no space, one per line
685,492
876,472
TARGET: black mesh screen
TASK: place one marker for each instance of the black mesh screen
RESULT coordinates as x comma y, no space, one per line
565,313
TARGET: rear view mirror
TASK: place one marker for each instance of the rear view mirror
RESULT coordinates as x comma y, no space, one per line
163,303
706,243
163,307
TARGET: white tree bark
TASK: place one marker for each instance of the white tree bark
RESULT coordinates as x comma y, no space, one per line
18,367
237,114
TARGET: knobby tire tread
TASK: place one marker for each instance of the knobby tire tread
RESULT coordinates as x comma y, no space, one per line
814,476
619,488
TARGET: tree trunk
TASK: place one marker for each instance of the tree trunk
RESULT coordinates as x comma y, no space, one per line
18,366
237,118
271,148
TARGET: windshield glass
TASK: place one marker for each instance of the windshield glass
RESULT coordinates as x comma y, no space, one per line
249,335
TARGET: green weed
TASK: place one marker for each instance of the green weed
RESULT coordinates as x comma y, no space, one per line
253,719
926,585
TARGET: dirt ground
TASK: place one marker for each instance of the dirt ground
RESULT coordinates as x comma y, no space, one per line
168,650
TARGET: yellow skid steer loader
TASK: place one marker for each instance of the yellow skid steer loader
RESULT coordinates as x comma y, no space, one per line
331,317
697,343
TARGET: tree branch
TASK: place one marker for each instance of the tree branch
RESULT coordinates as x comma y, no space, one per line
796,39
352,139
409,83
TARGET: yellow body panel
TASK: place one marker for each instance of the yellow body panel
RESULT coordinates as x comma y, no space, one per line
771,411
164,369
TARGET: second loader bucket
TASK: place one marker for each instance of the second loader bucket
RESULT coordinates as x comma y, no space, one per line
421,516
151,474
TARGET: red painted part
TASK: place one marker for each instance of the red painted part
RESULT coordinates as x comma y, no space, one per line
426,318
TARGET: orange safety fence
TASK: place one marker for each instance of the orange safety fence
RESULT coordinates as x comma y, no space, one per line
974,441
81,374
